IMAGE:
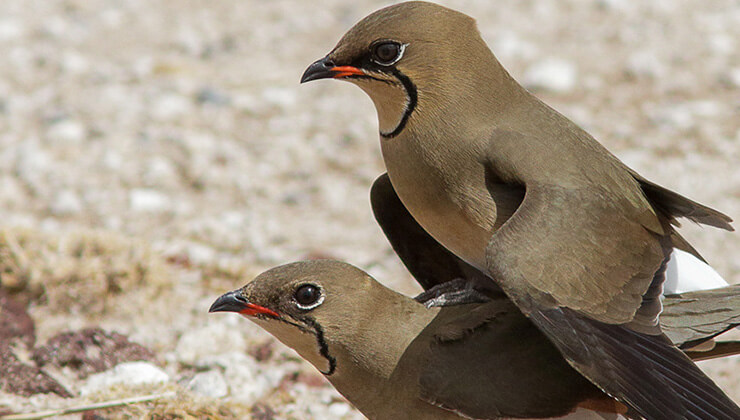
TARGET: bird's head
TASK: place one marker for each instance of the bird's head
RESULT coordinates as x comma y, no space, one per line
410,58
312,306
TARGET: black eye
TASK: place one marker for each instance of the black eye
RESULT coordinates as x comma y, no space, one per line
308,296
387,53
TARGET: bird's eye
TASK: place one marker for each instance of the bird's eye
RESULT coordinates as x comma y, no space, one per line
308,296
387,52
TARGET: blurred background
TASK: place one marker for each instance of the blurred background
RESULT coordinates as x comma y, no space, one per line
155,154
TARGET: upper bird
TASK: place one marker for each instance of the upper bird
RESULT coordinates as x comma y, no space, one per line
515,191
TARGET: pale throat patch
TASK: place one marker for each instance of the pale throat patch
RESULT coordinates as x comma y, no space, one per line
391,101
303,342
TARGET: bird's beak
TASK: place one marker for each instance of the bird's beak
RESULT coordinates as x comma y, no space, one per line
325,69
236,302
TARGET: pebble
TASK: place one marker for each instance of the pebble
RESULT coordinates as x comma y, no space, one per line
66,130
127,374
280,97
551,74
510,45
644,64
210,384
246,379
148,201
170,106
66,202
198,343
10,30
733,76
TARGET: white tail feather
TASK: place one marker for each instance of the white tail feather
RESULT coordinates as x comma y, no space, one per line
686,273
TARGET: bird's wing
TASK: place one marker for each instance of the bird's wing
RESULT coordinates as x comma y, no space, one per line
675,205
576,248
589,276
430,263
494,347
489,361
649,374
693,317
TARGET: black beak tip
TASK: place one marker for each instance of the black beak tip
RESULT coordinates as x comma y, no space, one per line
319,69
229,302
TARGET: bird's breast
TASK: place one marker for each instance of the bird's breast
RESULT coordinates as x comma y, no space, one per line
451,204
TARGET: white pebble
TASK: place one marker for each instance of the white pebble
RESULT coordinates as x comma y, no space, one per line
129,374
280,97
66,202
210,384
10,29
721,44
733,76
509,45
197,343
246,380
339,409
170,106
644,63
148,201
553,74
66,131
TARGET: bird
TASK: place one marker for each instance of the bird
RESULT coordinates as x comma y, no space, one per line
510,190
393,356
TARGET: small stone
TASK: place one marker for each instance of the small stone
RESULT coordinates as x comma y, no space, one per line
200,253
197,343
262,411
170,106
619,5
66,130
210,384
721,44
339,409
15,323
66,202
128,374
148,201
280,97
161,171
26,380
263,351
247,381
11,29
510,45
644,64
91,350
551,74
733,77
209,95
75,63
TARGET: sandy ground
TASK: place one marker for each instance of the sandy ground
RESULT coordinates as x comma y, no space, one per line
179,128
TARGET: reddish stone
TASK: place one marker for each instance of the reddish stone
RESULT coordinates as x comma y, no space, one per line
89,351
21,379
15,323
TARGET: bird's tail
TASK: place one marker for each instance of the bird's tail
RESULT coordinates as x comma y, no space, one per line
693,319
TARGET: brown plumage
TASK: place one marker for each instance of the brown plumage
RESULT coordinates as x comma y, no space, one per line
577,240
393,357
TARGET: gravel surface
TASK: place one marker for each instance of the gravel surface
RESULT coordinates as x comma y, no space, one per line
180,127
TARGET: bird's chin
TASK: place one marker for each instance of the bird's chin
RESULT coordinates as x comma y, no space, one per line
390,102
303,342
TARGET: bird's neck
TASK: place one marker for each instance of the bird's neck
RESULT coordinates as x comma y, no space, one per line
368,359
445,141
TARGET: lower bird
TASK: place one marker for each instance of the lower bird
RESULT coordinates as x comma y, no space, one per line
432,357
